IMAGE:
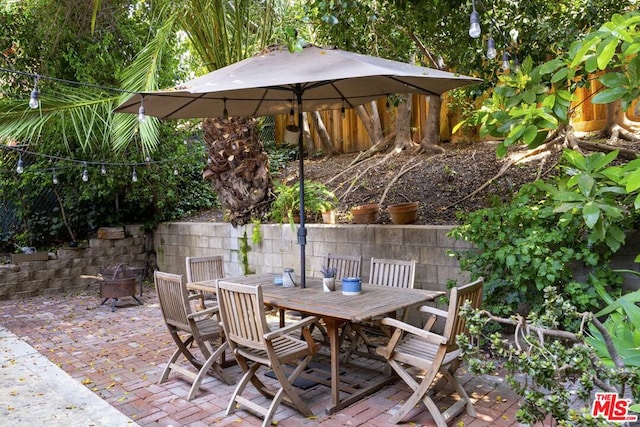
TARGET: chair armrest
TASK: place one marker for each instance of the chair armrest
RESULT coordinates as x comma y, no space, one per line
433,310
206,312
288,329
427,335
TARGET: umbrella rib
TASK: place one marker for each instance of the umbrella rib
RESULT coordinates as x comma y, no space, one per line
191,100
261,100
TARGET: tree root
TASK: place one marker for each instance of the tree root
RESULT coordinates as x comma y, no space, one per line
513,161
356,178
616,132
405,168
378,147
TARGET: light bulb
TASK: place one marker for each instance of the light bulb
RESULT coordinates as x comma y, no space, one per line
103,170
134,176
85,174
343,112
34,102
474,27
175,171
225,112
141,114
441,63
55,178
20,167
491,48
505,61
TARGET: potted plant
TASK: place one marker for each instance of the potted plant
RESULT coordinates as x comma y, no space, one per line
365,214
319,199
403,213
286,205
328,278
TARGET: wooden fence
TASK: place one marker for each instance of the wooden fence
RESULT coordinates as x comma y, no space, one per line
349,135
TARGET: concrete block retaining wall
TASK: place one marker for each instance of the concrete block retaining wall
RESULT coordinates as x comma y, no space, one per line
61,273
427,245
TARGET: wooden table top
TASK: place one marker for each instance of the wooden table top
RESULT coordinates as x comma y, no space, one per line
374,300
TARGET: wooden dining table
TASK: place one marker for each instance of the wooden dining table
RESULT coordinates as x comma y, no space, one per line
335,309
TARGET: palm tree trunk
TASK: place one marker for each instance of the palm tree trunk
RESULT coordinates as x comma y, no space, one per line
238,167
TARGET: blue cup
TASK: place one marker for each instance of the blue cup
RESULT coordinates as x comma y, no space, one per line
351,286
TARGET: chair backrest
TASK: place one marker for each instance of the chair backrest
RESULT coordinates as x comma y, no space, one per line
174,299
457,324
392,272
243,315
204,268
346,265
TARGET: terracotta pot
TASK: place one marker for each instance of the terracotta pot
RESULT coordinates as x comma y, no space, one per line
403,213
329,217
365,214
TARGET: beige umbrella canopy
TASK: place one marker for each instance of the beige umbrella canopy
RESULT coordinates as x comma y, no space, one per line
276,81
270,82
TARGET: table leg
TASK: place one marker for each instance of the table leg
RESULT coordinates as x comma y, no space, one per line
334,345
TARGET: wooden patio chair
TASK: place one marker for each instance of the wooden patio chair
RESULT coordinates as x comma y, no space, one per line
411,347
346,265
383,272
189,327
254,345
202,268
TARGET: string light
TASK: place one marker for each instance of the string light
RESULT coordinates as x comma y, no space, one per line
20,167
388,106
85,174
474,22
505,61
141,113
103,170
134,176
34,101
175,171
342,110
491,48
54,179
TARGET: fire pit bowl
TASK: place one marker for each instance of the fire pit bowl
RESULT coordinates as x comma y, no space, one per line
118,281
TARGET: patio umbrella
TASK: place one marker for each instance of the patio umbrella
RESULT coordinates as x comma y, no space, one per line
276,80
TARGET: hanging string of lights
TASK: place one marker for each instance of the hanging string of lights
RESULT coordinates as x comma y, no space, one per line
34,103
34,97
475,31
20,167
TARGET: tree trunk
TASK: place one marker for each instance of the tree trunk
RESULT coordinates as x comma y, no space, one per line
403,123
371,121
238,167
431,133
306,134
321,130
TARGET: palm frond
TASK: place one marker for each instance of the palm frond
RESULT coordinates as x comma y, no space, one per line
85,114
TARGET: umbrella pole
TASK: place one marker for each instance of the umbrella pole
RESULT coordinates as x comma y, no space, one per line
302,231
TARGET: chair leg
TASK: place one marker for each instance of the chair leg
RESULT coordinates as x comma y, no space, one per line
211,363
176,354
286,385
249,372
355,338
418,395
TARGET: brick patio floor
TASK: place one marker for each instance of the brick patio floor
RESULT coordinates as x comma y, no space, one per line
120,356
